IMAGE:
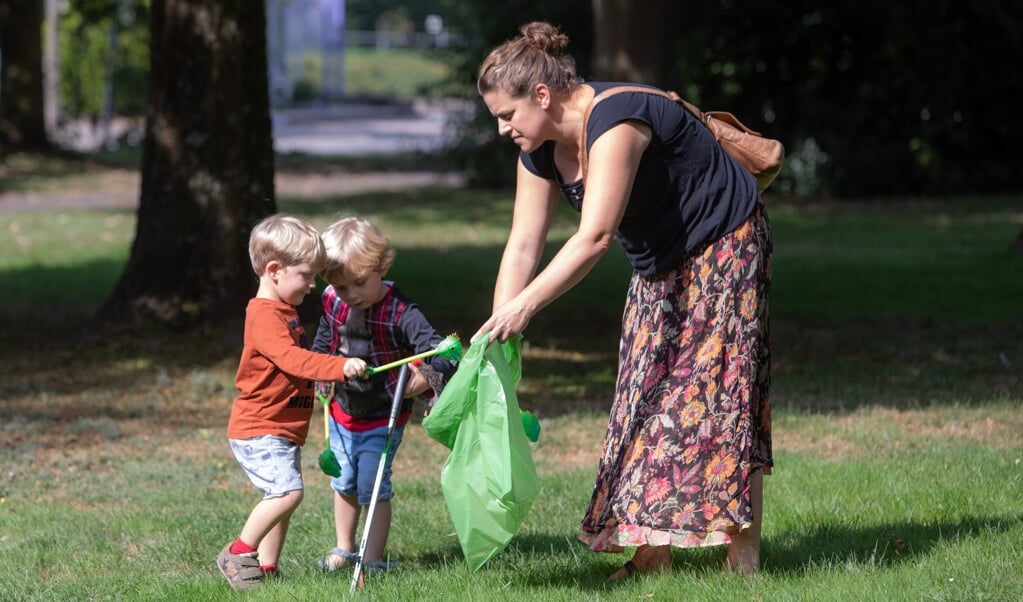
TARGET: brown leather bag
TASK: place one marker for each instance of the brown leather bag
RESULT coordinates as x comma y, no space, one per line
761,156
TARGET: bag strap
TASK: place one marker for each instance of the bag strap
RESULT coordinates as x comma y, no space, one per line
670,94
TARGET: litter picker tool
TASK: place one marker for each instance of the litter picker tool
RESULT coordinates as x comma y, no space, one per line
328,461
399,394
450,348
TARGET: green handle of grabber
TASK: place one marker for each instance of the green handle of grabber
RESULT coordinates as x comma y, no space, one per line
371,370
532,425
449,348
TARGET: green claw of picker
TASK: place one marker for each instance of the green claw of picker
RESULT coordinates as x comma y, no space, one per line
450,348
329,464
532,425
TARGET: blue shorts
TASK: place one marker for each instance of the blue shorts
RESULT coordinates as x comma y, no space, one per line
359,453
273,464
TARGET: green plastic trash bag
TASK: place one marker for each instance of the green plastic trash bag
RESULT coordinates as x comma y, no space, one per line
489,480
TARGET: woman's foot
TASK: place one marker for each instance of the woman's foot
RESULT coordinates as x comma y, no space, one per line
646,559
743,556
744,550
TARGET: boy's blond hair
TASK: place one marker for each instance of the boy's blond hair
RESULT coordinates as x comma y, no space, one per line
356,245
288,239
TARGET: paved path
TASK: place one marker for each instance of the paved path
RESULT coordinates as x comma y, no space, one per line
350,129
362,129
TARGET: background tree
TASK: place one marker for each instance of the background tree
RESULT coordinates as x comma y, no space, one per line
22,123
487,159
104,57
634,41
207,165
870,97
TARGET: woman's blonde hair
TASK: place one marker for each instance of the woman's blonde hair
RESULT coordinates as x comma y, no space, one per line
356,245
535,56
288,239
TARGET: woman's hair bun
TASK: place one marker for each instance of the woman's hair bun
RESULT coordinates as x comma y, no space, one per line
544,36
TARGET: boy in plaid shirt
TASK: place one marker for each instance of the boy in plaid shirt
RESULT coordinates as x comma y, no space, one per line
367,317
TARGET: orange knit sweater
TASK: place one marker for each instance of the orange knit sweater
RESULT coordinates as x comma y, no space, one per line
276,374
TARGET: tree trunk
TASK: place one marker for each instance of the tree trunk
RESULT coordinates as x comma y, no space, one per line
22,126
106,113
51,69
207,166
633,41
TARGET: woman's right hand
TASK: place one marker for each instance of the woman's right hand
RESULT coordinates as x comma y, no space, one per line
506,322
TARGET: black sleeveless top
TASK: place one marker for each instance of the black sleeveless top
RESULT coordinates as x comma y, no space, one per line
687,191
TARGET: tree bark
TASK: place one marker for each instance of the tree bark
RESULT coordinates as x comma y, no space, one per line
207,166
633,41
51,68
22,126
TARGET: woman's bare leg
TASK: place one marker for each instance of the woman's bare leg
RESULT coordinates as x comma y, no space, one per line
744,551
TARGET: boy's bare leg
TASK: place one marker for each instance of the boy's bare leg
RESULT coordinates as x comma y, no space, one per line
744,551
273,542
268,524
379,531
346,520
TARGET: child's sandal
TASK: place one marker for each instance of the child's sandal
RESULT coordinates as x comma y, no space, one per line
380,566
325,563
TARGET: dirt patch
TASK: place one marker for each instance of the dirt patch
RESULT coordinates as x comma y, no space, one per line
861,434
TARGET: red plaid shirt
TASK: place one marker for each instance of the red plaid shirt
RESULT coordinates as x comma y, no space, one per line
391,329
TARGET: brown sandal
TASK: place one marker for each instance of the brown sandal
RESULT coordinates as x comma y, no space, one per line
241,570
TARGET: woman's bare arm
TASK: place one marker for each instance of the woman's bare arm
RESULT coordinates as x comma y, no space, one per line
613,162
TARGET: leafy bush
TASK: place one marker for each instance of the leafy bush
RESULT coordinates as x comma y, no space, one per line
97,46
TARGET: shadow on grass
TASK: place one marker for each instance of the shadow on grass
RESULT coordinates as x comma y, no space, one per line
881,546
822,362
51,352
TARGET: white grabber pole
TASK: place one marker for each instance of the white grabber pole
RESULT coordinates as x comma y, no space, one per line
399,395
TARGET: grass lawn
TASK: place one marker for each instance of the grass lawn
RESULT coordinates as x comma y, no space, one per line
397,73
898,421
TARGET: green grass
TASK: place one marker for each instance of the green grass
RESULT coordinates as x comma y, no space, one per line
938,522
402,74
405,74
899,259
898,347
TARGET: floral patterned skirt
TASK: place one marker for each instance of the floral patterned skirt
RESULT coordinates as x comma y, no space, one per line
691,418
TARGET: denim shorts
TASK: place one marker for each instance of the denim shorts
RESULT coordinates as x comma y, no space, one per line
359,453
273,464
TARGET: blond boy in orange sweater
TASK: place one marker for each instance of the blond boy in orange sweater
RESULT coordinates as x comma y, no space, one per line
270,416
